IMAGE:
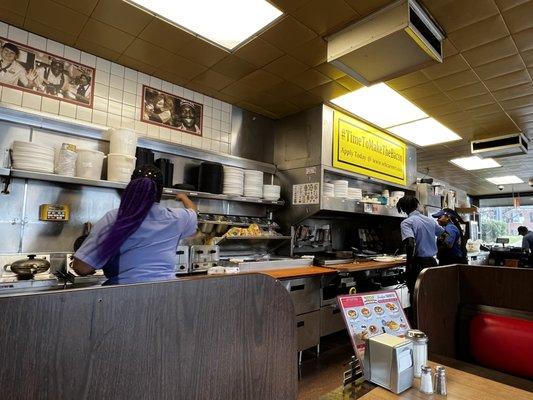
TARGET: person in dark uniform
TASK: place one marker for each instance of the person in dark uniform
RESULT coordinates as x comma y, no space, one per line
419,236
527,240
451,244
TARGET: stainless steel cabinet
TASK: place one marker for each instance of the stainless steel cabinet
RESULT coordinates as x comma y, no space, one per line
330,320
308,330
305,294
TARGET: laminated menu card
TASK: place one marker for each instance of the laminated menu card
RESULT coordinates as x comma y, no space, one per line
370,314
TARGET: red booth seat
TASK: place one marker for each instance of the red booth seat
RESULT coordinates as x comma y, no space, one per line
502,343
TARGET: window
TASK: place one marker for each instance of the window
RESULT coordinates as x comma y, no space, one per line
503,221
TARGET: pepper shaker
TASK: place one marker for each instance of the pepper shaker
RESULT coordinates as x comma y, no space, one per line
426,380
440,380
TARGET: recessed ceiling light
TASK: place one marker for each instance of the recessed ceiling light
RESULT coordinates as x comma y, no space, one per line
475,162
505,180
425,132
380,105
226,23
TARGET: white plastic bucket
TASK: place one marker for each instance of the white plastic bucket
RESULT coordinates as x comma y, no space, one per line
122,141
89,164
120,167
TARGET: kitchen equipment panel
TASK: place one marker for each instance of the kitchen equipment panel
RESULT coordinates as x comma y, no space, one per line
305,294
308,330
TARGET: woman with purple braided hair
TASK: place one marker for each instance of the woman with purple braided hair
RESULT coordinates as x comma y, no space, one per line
137,242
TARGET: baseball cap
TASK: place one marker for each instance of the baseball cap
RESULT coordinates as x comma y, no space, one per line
439,214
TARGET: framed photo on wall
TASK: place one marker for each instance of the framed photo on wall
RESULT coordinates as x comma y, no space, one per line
25,68
171,111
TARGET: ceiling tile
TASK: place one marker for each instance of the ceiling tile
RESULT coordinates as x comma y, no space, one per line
213,80
329,91
233,67
256,109
288,34
312,53
259,52
456,80
527,56
325,16
305,100
48,31
283,109
169,77
489,52
508,80
519,17
521,111
202,52
524,39
448,49
423,90
500,67
474,102
349,83
83,6
449,66
463,92
239,90
288,5
147,52
480,33
12,18
455,15
174,38
439,110
175,64
261,80
97,50
285,90
47,12
121,15
310,79
432,101
329,70
136,64
366,7
109,37
488,109
15,6
407,81
513,91
286,67
517,102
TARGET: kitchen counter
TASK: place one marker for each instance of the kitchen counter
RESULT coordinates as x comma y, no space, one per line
364,265
461,385
297,272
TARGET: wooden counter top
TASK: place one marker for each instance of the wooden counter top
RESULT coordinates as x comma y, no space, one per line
296,272
364,265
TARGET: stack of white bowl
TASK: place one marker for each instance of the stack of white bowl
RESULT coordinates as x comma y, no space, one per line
271,192
233,181
89,164
253,183
355,194
329,189
340,188
33,157
121,158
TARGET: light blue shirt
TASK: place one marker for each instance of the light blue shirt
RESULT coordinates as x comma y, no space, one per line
149,254
424,230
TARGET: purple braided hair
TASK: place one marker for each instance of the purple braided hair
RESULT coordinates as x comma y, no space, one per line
135,203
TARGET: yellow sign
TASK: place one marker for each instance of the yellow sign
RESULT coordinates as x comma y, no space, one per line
365,150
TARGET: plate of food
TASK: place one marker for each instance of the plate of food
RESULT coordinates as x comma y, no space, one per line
365,312
351,313
385,259
393,308
379,310
392,325
373,329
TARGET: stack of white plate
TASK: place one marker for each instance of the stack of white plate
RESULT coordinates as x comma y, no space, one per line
253,183
340,188
271,192
33,157
355,194
329,189
233,181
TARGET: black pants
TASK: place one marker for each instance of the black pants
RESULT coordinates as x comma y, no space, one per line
413,270
443,260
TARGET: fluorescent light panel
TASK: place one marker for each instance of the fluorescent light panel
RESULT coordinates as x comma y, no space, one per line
475,162
380,105
505,180
425,132
227,23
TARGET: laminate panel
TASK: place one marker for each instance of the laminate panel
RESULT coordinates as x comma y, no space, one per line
204,338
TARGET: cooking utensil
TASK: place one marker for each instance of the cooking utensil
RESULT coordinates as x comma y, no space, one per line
86,230
27,267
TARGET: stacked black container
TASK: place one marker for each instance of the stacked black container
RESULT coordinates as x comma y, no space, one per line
210,177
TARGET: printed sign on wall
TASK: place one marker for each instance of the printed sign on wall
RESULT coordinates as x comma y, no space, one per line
24,68
171,111
363,149
306,193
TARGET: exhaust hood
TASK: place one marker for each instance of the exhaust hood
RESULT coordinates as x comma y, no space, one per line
501,146
391,42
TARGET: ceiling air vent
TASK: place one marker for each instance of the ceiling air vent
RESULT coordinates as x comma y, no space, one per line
501,146
391,42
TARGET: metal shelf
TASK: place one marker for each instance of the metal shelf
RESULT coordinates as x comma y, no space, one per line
358,207
243,244
167,192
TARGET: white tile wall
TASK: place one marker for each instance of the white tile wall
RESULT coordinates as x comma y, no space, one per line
118,97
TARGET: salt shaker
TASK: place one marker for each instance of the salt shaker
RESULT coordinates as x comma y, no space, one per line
426,380
420,349
440,380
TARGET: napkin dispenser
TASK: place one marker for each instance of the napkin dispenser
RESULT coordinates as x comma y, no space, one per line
388,362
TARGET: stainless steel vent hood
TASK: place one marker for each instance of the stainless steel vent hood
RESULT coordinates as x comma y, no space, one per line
501,146
391,42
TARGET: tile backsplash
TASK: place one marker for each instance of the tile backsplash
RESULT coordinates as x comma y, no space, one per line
118,97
